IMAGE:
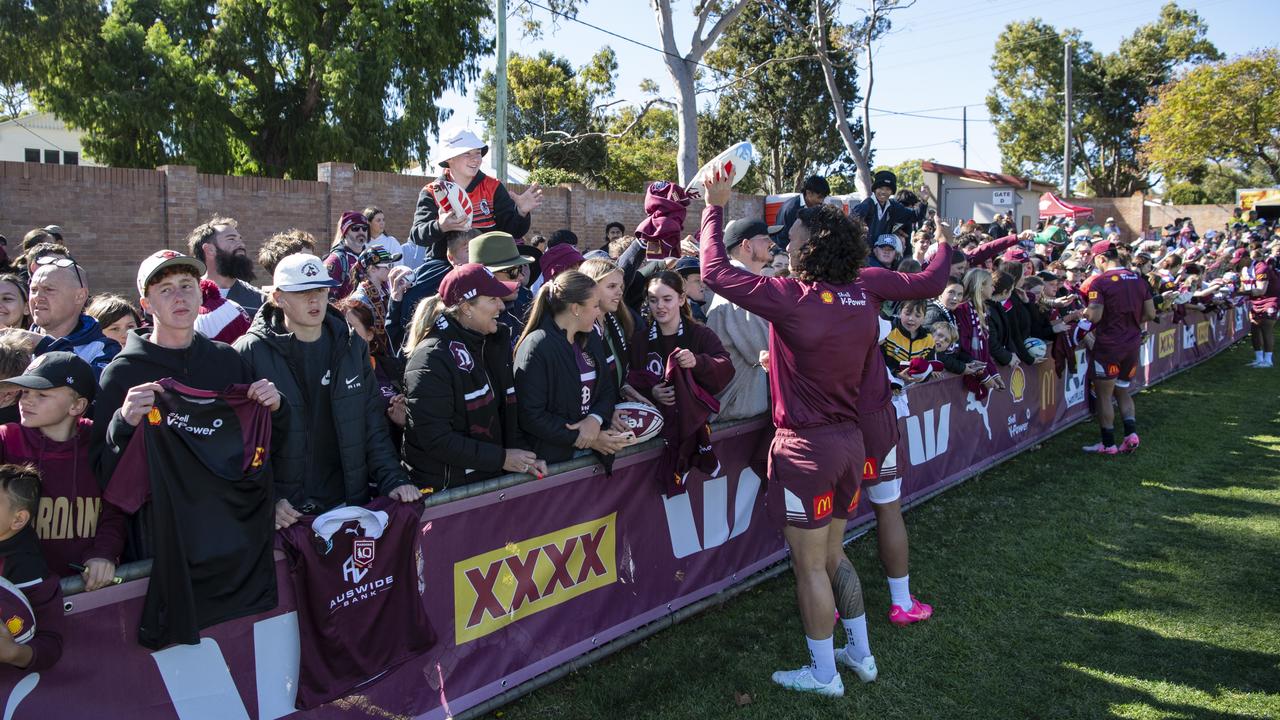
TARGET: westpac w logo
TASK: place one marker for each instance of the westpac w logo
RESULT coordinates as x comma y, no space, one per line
715,514
925,439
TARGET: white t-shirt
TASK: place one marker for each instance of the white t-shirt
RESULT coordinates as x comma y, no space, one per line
388,243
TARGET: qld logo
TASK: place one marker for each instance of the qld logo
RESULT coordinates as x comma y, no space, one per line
462,356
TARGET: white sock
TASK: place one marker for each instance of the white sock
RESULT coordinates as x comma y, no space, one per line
824,658
900,591
1266,357
856,630
1259,356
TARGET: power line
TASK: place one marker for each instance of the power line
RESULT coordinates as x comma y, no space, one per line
719,71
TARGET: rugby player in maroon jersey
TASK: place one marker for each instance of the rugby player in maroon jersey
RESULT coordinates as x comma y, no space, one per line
823,327
1119,304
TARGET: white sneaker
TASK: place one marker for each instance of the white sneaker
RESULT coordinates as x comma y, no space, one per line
866,669
1255,363
804,681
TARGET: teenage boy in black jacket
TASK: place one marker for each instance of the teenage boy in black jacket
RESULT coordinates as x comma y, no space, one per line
336,440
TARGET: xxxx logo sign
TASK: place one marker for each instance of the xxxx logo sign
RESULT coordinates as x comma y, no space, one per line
493,590
1166,342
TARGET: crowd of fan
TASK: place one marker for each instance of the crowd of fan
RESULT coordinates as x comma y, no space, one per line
465,353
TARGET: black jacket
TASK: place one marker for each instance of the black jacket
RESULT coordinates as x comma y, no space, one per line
549,393
895,214
460,394
205,365
364,443
1019,316
426,282
1000,338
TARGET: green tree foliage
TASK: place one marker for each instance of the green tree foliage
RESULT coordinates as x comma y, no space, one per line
251,87
1026,102
1228,111
774,95
644,152
552,115
910,174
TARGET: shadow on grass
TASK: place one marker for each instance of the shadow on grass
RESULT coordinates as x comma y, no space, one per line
1119,648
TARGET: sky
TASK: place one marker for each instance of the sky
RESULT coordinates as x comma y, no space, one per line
936,59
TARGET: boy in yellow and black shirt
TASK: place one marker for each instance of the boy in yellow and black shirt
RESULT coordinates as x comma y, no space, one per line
908,339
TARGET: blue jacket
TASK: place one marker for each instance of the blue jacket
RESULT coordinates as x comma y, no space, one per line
86,341
426,281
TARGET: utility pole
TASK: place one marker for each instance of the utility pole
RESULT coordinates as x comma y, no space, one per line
964,136
1066,140
500,122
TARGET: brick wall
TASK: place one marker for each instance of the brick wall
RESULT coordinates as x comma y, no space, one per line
113,217
1128,212
1205,217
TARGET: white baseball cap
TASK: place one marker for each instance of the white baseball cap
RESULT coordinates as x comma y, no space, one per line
161,260
301,271
453,144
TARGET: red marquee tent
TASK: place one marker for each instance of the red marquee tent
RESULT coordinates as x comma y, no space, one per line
1051,205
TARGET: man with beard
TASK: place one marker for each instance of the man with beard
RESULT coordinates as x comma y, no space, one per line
218,244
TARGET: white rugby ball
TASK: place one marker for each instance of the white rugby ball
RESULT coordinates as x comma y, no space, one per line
642,419
452,198
1036,347
16,612
733,163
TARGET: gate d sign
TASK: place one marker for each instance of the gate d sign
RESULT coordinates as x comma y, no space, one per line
1001,197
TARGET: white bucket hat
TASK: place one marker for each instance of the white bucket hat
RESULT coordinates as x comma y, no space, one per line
454,143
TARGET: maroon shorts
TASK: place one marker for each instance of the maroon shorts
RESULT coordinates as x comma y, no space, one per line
814,466
879,440
1120,365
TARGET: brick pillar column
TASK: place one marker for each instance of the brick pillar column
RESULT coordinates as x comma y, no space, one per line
575,210
341,179
180,204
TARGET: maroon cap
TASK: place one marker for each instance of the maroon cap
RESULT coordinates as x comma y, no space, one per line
1100,247
557,259
350,218
1016,254
472,280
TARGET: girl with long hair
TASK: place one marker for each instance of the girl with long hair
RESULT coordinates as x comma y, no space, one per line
566,394
617,323
975,341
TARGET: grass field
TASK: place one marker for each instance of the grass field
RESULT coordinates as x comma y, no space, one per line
1063,586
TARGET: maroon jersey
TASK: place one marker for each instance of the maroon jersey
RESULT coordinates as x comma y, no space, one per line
355,569
1122,294
202,459
820,334
1263,272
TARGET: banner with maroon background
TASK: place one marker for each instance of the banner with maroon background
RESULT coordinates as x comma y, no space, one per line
521,580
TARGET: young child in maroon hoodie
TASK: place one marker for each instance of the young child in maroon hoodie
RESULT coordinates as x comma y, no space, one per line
80,533
22,565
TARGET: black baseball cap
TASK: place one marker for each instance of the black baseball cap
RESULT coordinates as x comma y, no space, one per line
687,266
740,230
58,369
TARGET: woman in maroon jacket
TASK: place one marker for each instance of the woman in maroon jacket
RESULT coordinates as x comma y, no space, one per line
671,334
680,365
823,327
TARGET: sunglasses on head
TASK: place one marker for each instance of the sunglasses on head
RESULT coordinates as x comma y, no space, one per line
62,262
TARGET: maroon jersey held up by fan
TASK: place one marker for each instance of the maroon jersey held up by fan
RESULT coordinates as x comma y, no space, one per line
353,570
